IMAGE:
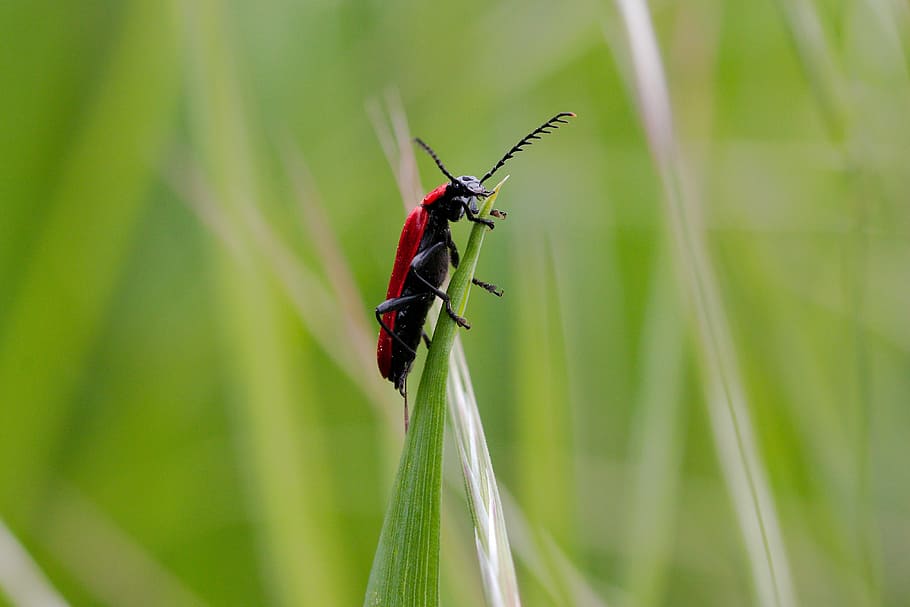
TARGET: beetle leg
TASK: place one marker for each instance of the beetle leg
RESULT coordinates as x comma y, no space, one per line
445,301
390,305
488,287
497,213
472,217
417,264
453,251
427,340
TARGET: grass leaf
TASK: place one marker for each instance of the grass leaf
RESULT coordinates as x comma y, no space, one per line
406,564
731,422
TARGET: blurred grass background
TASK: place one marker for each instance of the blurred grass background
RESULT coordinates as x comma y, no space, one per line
185,417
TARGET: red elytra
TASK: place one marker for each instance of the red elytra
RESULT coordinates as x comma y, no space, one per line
408,243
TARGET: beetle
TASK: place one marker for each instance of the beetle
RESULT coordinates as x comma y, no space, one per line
425,250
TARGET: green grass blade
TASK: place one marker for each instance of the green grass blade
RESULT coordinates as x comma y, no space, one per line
736,442
71,272
286,474
658,439
406,564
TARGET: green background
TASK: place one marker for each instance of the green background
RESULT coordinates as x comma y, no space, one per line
189,407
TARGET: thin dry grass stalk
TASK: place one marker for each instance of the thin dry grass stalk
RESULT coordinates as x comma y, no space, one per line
21,578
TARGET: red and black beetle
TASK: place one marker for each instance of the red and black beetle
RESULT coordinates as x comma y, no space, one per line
425,250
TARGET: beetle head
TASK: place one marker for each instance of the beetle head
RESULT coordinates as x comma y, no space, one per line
468,185
465,191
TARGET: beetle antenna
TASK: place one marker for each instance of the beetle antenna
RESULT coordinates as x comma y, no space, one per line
545,128
433,155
